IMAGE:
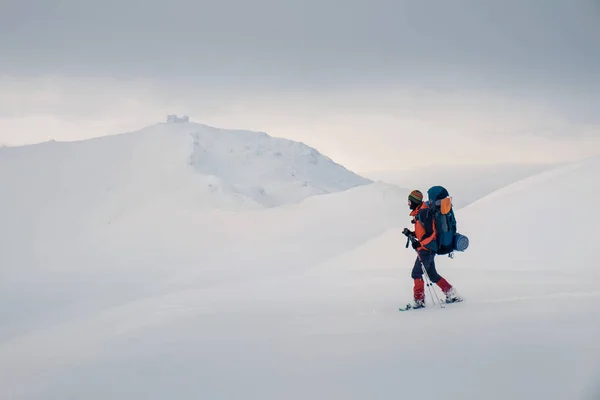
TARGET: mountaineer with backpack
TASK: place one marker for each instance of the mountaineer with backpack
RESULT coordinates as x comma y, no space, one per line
435,233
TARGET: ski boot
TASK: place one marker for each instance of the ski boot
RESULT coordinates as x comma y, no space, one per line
452,296
416,305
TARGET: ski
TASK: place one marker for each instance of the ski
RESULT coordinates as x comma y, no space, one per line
410,307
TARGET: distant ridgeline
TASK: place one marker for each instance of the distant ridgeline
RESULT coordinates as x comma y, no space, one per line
175,118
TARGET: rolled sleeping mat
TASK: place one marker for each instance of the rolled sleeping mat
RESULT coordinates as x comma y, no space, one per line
461,242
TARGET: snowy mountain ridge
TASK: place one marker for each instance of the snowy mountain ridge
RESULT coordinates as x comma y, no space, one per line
217,168
272,171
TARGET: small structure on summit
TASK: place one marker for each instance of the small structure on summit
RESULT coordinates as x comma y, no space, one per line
175,119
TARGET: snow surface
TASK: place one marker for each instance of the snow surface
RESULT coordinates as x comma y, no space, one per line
110,211
468,182
122,277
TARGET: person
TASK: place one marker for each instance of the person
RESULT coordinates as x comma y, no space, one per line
424,234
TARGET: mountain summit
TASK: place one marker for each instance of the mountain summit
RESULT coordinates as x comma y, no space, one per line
217,168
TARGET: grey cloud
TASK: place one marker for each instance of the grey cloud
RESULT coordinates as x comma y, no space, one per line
508,68
437,43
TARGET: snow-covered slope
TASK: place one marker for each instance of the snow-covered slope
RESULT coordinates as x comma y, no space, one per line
272,171
553,221
86,225
195,163
530,325
54,194
300,301
467,182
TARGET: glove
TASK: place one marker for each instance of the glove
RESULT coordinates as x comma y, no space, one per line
416,244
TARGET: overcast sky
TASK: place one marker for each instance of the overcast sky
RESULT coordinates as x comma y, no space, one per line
366,82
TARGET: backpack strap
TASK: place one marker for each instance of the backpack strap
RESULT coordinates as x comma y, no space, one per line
427,218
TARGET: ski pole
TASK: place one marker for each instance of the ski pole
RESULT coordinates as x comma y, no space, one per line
430,285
